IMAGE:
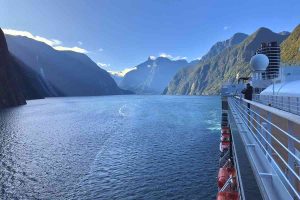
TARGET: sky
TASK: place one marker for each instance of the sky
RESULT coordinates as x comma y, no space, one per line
120,34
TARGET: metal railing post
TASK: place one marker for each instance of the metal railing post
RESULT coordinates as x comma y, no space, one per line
289,104
291,159
264,134
268,138
282,103
297,103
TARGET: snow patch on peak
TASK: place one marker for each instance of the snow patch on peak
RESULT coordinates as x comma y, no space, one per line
152,57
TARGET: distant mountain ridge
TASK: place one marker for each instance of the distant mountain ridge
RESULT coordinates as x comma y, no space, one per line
218,67
64,73
152,76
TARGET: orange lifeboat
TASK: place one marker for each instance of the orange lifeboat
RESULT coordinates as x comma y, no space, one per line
225,137
224,174
225,130
228,196
224,145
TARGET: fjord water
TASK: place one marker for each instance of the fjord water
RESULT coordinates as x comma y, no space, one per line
112,147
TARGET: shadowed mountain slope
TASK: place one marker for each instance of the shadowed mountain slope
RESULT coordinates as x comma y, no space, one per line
152,76
65,73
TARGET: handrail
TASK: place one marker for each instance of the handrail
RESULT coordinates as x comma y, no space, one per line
226,184
283,175
243,114
270,145
287,103
280,113
223,158
274,125
283,146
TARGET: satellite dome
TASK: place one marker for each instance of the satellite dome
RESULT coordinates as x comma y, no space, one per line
259,62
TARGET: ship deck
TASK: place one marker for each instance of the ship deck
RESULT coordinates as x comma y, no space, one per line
248,185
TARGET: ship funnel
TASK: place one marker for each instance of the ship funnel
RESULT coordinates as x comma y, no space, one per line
259,62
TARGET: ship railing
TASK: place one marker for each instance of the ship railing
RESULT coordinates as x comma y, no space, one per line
286,103
278,144
224,159
228,183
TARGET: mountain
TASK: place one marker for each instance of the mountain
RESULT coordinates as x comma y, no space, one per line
152,76
64,73
117,77
290,48
10,90
220,46
218,67
32,84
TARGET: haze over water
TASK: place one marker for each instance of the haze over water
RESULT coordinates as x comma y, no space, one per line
113,147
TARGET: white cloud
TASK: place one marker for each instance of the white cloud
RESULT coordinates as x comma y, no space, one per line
75,49
49,42
103,65
226,28
80,43
164,55
123,72
56,44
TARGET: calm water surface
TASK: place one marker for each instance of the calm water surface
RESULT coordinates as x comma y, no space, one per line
115,147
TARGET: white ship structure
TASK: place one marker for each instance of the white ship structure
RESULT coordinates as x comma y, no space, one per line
260,138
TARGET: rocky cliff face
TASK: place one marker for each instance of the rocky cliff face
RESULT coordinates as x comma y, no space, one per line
31,83
10,90
152,76
63,73
207,77
290,48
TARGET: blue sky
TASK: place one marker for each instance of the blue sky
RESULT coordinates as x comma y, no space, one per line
123,33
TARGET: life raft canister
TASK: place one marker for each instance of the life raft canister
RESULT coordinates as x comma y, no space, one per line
227,196
224,174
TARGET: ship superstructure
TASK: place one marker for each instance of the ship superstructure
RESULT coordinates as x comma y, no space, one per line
263,145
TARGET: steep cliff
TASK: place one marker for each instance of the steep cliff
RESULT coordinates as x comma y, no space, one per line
10,90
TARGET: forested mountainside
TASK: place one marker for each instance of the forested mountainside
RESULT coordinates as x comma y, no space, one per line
217,67
290,48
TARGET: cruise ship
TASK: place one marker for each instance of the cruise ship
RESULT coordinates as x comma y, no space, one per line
260,138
